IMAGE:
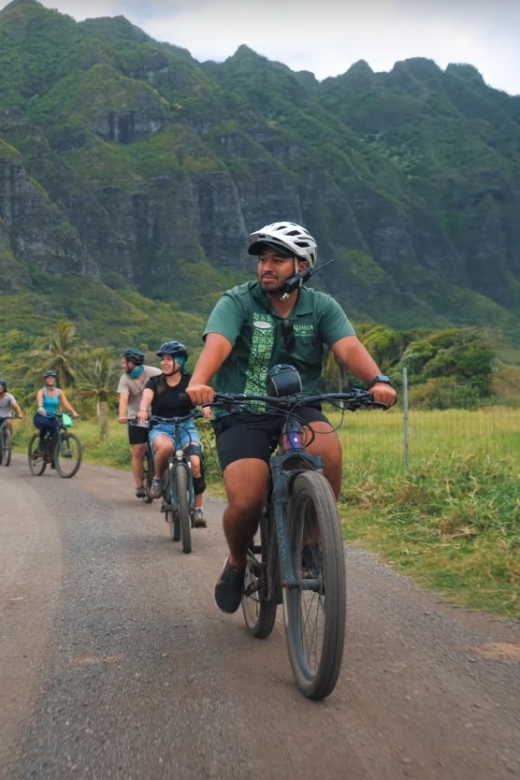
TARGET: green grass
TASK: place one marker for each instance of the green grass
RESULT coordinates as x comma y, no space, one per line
450,521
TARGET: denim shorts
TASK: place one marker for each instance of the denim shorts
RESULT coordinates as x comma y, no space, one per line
188,433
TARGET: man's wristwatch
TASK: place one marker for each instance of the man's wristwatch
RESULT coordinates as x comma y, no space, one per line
380,379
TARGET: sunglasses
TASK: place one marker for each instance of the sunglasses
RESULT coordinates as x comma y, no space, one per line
287,330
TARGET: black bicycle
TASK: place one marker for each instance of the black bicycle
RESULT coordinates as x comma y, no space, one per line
179,495
6,443
298,557
60,448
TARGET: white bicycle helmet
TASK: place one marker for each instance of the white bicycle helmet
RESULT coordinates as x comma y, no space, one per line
293,239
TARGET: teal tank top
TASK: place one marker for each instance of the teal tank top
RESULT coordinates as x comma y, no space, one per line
50,404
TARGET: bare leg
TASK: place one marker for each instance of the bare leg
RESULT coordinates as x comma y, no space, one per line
138,451
163,448
246,487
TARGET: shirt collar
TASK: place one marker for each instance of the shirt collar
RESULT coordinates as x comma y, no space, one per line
303,304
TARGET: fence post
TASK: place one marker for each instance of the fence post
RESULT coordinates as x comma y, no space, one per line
406,420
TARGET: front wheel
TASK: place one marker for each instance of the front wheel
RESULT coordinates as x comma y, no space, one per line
36,457
67,455
5,454
315,609
183,508
259,613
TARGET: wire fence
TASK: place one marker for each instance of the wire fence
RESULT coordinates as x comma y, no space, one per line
404,437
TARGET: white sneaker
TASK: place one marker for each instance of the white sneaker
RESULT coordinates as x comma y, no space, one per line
198,518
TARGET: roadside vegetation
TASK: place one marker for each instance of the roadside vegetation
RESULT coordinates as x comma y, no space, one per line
450,521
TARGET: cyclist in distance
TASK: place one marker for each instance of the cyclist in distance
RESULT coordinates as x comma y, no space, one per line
130,388
161,396
48,399
252,327
7,404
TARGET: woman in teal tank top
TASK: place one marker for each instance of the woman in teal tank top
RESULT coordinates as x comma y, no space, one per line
48,399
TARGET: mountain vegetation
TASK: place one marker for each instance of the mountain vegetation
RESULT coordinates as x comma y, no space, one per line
131,175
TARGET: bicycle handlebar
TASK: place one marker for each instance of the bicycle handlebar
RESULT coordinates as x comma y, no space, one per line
352,400
193,415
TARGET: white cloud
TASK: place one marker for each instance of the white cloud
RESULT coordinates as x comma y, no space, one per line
327,37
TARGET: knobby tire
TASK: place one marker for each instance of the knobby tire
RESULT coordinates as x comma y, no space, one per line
67,455
315,651
36,464
148,472
259,614
183,508
5,454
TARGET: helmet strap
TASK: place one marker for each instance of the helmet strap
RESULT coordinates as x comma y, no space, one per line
135,372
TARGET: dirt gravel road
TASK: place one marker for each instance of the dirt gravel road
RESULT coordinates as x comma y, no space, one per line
115,662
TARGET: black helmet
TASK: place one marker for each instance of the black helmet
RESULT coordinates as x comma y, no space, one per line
134,355
3,383
173,348
50,372
283,379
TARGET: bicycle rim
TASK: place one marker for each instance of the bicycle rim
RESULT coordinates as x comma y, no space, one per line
183,508
315,609
148,472
67,455
259,614
36,462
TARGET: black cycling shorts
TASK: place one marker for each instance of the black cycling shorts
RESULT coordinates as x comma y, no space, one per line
241,436
137,434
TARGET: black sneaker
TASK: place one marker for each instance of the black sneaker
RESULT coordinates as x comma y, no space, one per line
230,588
140,492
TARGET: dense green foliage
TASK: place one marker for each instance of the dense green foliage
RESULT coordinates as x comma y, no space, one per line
133,173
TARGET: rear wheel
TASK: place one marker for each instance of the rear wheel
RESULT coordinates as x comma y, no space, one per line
315,609
148,472
259,614
36,457
183,507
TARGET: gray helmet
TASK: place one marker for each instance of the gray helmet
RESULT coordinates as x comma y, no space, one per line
50,372
134,355
3,383
173,348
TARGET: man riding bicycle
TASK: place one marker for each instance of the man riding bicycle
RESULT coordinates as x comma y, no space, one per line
162,395
254,326
130,388
7,404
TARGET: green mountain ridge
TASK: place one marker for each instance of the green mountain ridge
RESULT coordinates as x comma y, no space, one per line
128,164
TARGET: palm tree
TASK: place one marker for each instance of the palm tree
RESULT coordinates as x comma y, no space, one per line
60,351
96,378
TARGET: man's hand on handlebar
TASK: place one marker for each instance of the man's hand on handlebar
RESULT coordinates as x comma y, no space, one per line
200,394
384,394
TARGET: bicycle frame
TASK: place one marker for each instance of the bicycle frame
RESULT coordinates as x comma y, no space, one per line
281,480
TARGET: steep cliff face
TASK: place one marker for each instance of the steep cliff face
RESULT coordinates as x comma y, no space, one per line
38,233
120,154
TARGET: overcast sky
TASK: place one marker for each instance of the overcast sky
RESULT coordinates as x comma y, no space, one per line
327,36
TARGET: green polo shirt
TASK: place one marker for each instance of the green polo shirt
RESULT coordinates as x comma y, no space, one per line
244,317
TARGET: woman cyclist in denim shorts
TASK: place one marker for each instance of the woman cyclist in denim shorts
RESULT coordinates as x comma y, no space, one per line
161,398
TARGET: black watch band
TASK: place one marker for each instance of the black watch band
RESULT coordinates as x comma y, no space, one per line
380,379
